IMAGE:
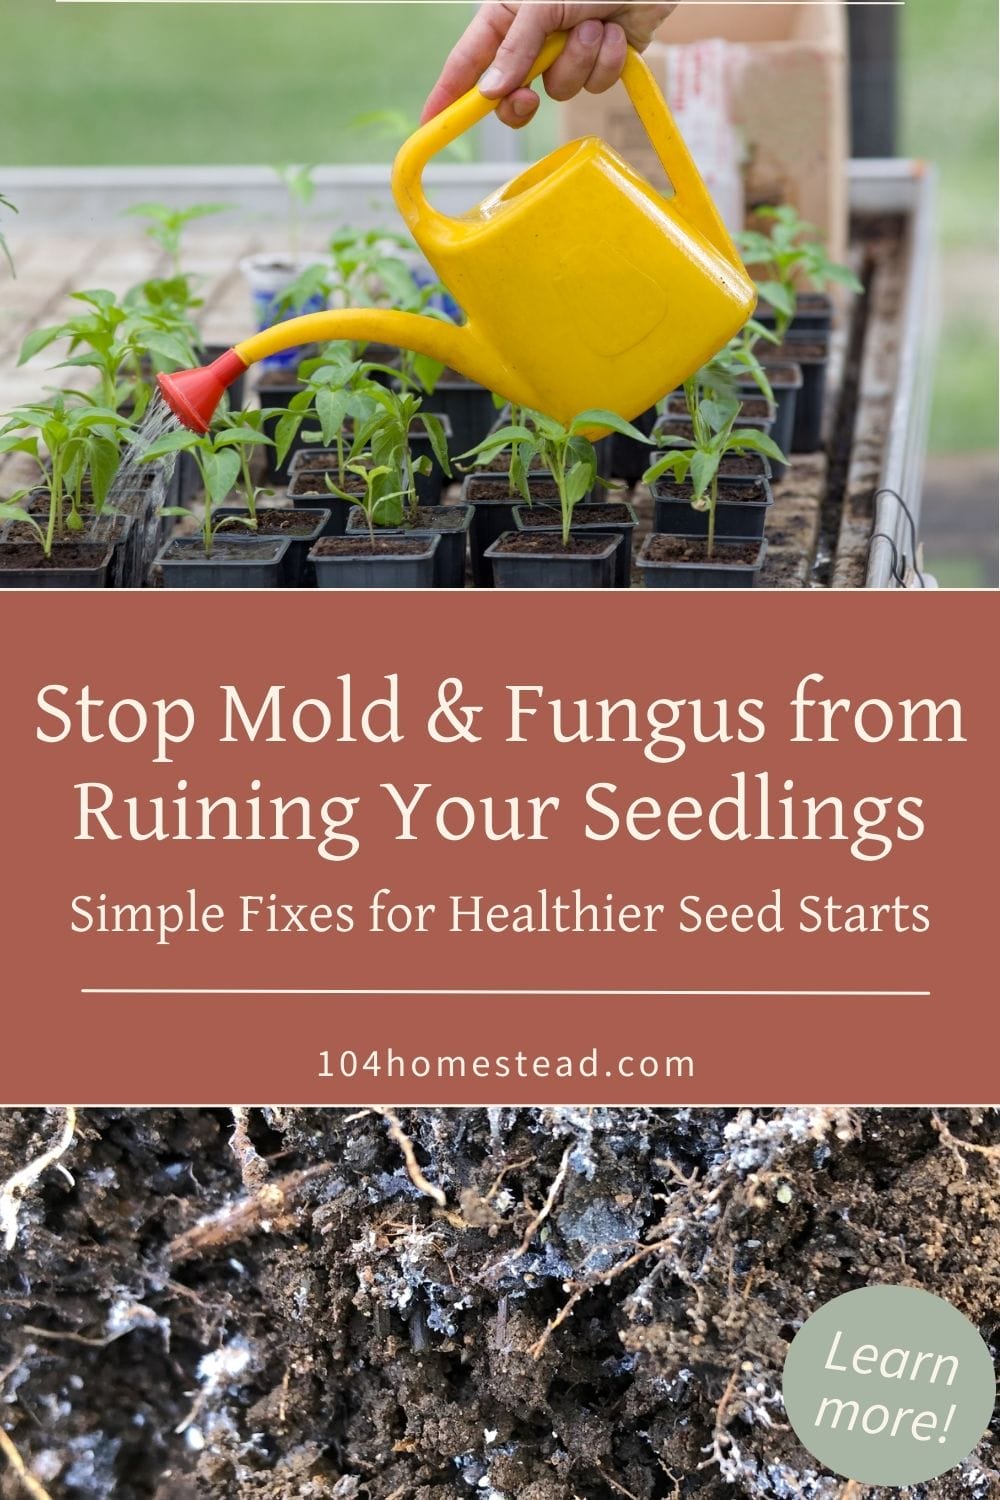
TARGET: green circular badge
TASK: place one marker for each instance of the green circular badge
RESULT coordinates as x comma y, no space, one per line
889,1385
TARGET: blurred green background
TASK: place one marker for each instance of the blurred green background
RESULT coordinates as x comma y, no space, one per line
155,83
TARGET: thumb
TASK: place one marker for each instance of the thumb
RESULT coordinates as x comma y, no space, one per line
518,51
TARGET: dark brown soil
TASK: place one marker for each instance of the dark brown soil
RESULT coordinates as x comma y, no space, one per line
740,463
756,407
266,1305
585,515
482,488
65,555
806,350
501,465
549,543
285,522
693,550
321,463
307,483
357,546
434,518
782,374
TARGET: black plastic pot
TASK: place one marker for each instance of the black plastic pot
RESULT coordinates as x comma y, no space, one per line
813,313
620,457
276,389
544,518
719,573
557,567
468,407
674,515
310,524
810,351
307,489
236,563
120,534
449,522
72,565
404,563
786,382
494,514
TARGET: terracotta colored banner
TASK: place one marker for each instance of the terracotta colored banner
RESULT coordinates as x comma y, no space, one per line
330,848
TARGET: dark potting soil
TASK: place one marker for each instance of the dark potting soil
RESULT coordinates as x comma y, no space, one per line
497,489
755,406
30,554
281,523
362,545
266,1304
320,463
797,350
740,463
436,518
594,515
692,550
224,549
547,542
501,465
309,482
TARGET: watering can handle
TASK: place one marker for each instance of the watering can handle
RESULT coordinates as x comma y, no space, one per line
438,133
691,197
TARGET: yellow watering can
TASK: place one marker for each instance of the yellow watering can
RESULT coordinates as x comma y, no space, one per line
583,287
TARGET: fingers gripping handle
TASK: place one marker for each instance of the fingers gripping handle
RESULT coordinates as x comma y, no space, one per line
446,127
691,196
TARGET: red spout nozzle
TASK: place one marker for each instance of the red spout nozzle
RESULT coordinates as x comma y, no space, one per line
193,395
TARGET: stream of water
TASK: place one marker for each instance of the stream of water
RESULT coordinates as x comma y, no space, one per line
140,490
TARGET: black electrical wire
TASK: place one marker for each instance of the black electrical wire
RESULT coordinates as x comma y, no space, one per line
885,490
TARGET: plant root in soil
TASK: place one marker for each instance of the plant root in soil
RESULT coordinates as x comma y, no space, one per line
428,1304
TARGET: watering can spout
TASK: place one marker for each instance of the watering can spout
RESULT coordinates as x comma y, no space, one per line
193,395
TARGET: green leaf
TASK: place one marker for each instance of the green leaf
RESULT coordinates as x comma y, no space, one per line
704,467
579,482
434,428
598,418
35,342
781,297
748,438
103,464
174,442
221,471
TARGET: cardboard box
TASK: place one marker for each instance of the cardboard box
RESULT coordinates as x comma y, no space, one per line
787,102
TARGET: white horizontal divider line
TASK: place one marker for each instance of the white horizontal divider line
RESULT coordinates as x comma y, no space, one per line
839,994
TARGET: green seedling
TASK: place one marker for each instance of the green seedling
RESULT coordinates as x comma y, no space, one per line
566,452
4,249
300,186
697,459
737,363
337,395
788,253
82,442
381,503
167,225
385,434
113,339
223,460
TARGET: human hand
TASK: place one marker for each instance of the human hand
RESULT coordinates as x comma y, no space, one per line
501,44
